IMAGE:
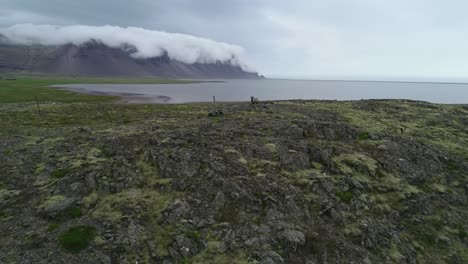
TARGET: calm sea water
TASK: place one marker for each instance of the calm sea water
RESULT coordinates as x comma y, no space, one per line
270,89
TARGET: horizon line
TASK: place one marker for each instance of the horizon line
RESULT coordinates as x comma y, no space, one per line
357,80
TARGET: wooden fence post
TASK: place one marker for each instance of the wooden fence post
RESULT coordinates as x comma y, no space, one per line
37,104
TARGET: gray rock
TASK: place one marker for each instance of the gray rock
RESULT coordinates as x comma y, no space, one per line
293,236
220,200
75,186
382,147
203,223
356,184
184,246
134,233
444,241
175,211
252,242
103,259
174,255
335,215
271,257
214,113
178,163
152,248
5,195
274,215
293,161
367,260
296,131
91,181
226,235
53,208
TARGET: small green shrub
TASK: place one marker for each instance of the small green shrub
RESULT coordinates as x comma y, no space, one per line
194,236
345,196
76,238
425,234
52,227
60,173
185,260
462,233
74,212
452,166
379,173
428,239
363,136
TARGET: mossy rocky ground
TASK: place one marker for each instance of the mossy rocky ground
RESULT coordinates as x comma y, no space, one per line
283,182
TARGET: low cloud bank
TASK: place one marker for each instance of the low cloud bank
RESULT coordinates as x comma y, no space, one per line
147,43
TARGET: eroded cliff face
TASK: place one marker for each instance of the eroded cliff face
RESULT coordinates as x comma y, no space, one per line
97,59
285,182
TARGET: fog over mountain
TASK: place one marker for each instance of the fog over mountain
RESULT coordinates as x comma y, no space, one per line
118,51
141,43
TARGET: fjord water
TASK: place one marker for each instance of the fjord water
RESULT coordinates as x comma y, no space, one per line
273,89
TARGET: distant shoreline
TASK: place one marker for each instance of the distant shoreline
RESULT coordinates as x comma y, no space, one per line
130,98
366,81
277,89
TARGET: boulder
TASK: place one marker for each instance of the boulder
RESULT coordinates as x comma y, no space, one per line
291,236
220,200
271,257
184,246
57,204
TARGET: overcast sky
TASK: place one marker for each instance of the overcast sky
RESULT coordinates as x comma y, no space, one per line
297,38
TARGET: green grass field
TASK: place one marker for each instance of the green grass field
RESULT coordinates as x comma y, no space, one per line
25,89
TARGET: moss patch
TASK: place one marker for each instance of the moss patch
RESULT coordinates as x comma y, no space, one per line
52,227
60,173
163,237
111,207
358,165
363,136
76,238
212,254
194,236
52,200
345,196
462,233
74,212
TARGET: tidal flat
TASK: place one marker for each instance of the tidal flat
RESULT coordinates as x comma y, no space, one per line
86,179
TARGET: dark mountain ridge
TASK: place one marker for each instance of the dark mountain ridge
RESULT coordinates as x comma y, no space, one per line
97,59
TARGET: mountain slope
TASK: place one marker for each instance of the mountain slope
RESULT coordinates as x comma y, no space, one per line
97,59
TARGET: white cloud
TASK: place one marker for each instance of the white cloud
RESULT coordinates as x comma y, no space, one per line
147,43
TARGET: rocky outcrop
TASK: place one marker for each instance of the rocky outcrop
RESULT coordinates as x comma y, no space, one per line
282,182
